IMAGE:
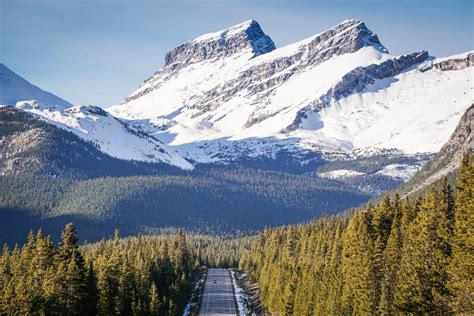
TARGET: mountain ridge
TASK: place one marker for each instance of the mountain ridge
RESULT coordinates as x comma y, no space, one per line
335,96
14,88
329,96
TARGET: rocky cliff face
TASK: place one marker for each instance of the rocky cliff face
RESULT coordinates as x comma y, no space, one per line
448,159
241,38
248,37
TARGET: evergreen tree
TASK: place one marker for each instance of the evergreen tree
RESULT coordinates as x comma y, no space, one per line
392,254
92,291
461,269
154,300
421,288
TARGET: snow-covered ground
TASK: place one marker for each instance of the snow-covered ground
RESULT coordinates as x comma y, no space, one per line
240,296
111,135
207,108
402,171
340,174
231,95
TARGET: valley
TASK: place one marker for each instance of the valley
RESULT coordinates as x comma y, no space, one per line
214,142
328,176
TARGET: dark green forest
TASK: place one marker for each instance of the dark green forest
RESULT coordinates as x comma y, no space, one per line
219,201
133,276
143,275
397,256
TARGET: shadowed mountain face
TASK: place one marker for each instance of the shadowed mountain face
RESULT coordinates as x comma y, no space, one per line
51,176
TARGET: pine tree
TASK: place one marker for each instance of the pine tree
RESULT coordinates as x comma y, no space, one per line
92,291
75,286
421,288
392,254
154,299
41,261
357,265
461,268
125,289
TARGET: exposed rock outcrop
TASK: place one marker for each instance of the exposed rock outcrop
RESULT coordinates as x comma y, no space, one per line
347,37
448,159
456,63
247,36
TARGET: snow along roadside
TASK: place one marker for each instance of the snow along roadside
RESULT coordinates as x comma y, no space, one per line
240,296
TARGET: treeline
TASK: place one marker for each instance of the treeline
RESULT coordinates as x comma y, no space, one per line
219,252
393,257
221,201
132,276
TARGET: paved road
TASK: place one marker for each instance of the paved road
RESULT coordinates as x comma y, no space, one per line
218,297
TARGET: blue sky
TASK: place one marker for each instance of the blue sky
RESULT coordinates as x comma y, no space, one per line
98,52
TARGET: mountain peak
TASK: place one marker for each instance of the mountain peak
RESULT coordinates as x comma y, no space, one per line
242,38
230,31
15,89
354,31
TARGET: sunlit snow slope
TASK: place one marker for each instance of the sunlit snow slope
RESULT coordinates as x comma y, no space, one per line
230,94
111,135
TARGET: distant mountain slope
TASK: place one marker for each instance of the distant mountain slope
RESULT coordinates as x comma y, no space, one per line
447,160
30,145
50,176
91,123
338,94
222,201
14,88
109,134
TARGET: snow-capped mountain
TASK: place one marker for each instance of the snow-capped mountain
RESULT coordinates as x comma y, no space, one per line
232,95
91,123
111,135
14,88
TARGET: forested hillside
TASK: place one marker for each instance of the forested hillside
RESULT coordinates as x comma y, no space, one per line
219,201
144,275
397,256
393,257
31,145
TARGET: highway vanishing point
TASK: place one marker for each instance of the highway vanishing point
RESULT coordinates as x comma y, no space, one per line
218,297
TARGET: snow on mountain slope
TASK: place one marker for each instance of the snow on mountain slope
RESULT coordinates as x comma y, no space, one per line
414,111
111,135
341,173
339,92
14,88
243,94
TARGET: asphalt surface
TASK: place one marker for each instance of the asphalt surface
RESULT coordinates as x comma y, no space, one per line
218,297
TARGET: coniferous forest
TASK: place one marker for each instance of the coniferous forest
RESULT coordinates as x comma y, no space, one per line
132,276
398,256
307,168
